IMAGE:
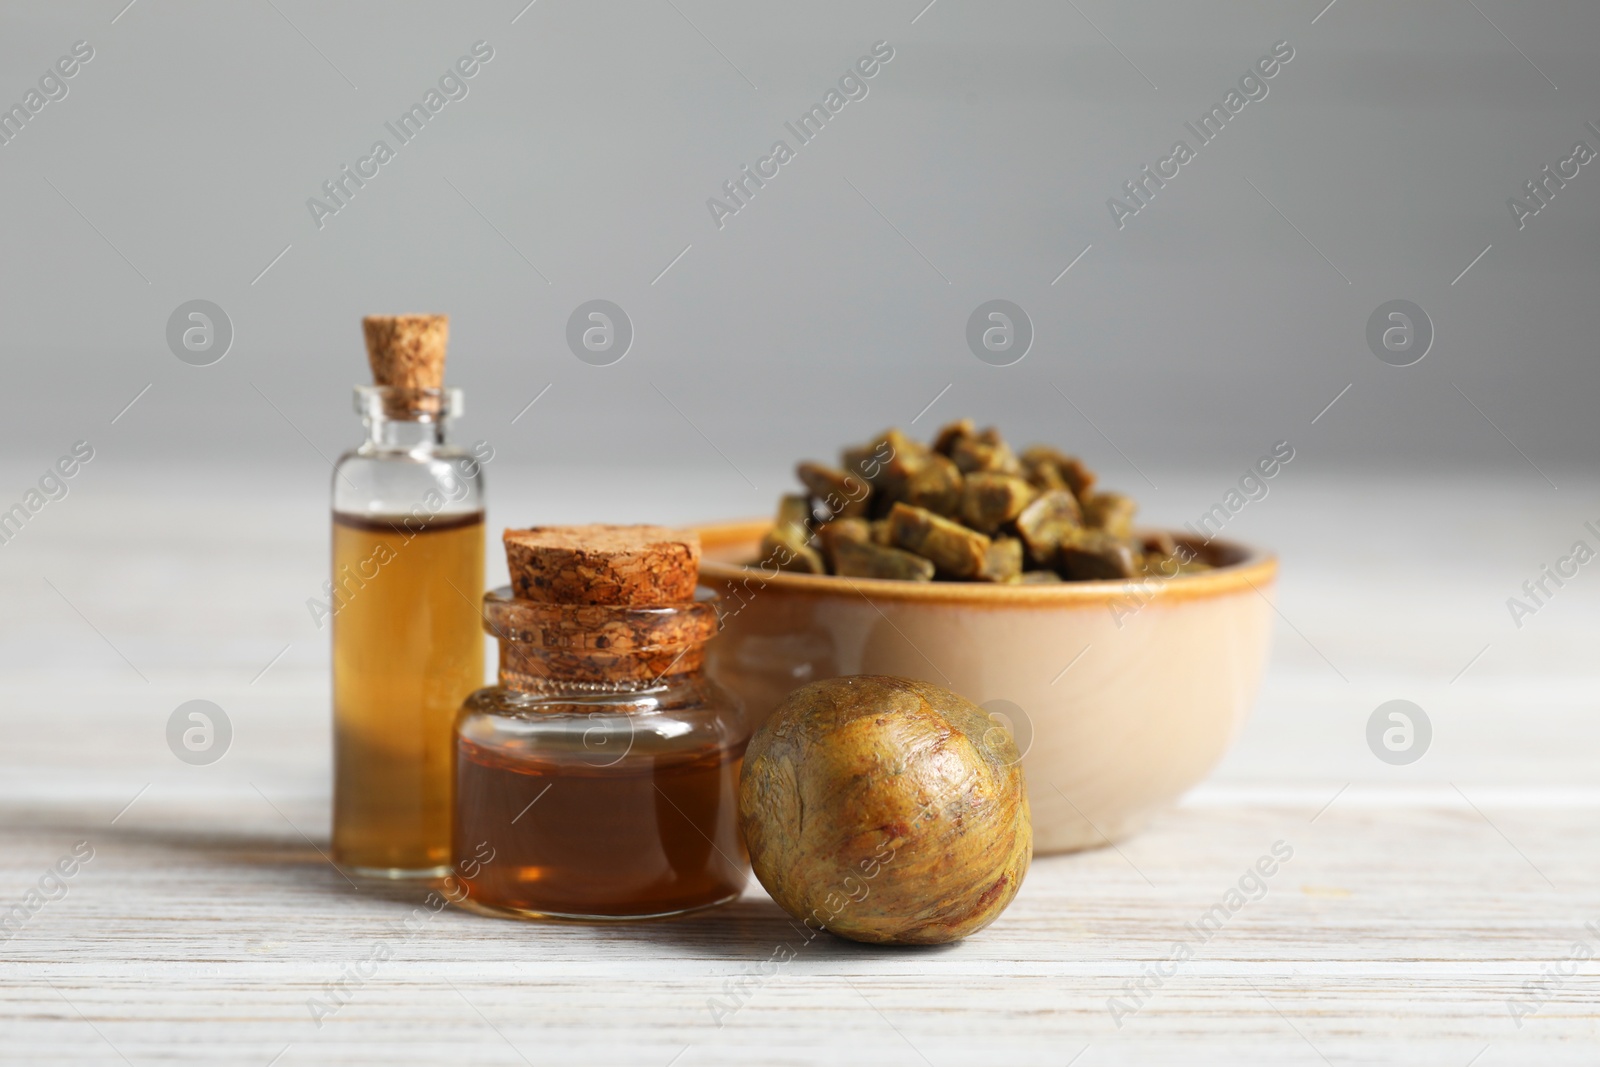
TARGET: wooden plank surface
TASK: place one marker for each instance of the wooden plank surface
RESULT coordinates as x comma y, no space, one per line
1418,902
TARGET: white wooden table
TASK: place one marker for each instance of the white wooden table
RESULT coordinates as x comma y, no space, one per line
1419,900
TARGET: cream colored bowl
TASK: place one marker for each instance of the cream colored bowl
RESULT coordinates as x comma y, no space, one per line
1122,695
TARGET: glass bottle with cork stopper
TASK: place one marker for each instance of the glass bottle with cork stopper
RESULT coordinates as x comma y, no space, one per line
601,775
407,639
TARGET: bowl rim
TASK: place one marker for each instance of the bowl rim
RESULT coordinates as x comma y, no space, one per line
1253,569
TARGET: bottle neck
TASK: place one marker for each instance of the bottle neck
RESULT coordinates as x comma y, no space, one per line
404,435
406,420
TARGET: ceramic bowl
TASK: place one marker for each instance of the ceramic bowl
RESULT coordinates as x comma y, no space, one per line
1122,695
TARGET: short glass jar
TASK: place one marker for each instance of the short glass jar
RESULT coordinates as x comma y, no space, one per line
602,773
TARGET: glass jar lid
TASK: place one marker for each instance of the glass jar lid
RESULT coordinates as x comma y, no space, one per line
542,643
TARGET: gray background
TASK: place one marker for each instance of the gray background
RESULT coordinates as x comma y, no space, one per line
1194,338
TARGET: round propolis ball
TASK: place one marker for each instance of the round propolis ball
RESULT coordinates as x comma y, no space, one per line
885,810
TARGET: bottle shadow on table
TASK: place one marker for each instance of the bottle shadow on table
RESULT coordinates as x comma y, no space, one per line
752,929
275,859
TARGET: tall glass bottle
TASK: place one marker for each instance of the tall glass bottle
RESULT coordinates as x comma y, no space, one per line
407,635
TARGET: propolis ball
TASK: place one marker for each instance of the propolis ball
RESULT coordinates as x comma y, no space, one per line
886,810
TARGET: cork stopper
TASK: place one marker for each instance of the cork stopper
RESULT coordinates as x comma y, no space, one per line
612,565
548,647
407,351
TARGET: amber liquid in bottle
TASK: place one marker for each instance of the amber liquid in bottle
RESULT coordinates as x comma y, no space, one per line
639,837
407,648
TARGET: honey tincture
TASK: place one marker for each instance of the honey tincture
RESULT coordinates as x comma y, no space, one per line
601,775
407,637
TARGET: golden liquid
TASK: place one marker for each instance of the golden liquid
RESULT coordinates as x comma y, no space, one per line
407,650
645,836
